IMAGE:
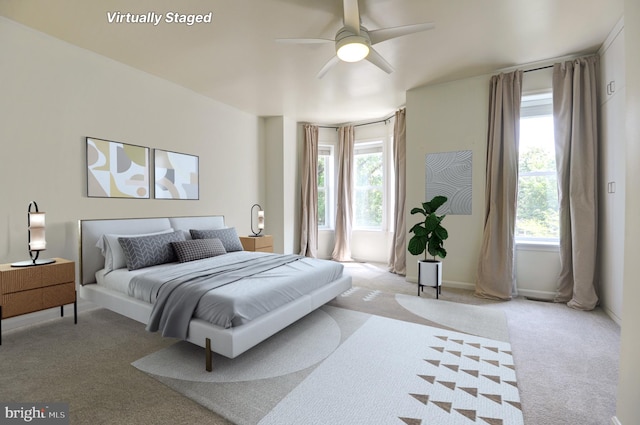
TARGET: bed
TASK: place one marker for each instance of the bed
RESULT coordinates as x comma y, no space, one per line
267,295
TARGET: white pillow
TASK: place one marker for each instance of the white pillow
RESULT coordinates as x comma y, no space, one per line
113,254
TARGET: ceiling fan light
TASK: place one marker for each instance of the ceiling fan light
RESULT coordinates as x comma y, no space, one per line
351,47
353,52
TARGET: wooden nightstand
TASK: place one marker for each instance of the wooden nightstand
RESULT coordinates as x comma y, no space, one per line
258,243
27,289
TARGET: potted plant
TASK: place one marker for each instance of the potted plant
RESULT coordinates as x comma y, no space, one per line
428,237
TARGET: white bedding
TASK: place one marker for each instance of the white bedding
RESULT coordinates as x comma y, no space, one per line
240,302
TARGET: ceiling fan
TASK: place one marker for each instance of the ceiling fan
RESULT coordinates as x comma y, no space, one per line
354,42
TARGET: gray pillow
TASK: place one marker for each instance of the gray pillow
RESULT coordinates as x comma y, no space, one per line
146,251
227,236
197,249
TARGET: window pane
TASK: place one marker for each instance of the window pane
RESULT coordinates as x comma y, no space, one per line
368,211
368,190
537,214
322,209
322,181
537,207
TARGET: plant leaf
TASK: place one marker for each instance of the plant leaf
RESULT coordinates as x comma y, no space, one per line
431,223
416,245
437,202
418,210
441,232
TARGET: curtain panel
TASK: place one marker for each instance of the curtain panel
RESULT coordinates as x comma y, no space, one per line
495,277
575,114
344,205
398,256
309,195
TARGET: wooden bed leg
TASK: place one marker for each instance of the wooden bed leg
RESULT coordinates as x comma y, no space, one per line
208,356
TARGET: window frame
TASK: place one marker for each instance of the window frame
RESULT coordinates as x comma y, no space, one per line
536,105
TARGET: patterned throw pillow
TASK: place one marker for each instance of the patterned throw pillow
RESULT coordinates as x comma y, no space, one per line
228,236
197,249
146,251
112,251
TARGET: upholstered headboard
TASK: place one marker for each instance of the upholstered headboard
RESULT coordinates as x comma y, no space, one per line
90,231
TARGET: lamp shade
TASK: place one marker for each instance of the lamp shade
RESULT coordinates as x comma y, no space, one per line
37,240
260,220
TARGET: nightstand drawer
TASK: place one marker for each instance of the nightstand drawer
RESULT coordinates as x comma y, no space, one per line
21,303
54,296
259,243
262,242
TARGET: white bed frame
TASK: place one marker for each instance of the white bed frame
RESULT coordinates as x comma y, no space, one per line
228,342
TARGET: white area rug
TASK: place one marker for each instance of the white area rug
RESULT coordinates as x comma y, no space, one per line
384,371
472,319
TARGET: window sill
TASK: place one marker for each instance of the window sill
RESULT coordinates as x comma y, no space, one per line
537,246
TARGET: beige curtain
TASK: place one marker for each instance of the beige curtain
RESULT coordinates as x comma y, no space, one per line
309,217
496,270
344,208
398,256
576,136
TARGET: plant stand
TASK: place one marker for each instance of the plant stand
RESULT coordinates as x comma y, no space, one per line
430,274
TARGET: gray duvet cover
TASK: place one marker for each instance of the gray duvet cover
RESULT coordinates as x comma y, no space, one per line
228,290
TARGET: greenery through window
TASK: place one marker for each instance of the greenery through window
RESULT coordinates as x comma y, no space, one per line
325,197
368,185
537,218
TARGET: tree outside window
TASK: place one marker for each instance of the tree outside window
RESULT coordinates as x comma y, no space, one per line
368,185
325,174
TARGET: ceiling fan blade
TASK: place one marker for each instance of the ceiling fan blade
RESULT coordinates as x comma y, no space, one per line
352,15
330,64
384,34
375,58
303,40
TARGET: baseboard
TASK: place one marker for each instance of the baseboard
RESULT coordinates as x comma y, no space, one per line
535,294
615,421
612,315
44,315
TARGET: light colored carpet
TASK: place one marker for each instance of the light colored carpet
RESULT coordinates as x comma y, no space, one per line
567,360
383,371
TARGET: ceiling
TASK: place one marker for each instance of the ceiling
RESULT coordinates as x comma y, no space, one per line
235,60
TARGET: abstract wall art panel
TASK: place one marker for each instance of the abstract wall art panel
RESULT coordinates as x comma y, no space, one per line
449,174
117,170
176,175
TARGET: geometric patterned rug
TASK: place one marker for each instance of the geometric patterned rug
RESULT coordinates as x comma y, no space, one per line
340,366
391,371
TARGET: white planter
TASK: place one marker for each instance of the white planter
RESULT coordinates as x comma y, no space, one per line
430,274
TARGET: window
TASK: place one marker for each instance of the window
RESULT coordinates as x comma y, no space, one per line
368,188
325,186
537,218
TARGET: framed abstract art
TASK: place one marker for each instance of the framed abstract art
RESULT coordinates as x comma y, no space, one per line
450,174
176,175
117,170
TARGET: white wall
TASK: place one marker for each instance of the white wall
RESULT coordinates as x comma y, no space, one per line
55,94
628,408
443,118
281,177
